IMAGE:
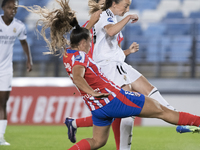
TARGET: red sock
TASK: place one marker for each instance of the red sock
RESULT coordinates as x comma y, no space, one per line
188,119
84,122
116,130
81,145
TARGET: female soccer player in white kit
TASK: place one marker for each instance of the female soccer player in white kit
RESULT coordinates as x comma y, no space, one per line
10,29
110,57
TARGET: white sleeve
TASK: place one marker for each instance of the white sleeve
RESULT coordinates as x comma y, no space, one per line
23,34
105,20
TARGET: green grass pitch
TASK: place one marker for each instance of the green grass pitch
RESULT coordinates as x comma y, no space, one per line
55,138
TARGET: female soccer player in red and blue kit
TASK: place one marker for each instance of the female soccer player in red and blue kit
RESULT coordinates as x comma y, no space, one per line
122,128
110,57
106,100
99,93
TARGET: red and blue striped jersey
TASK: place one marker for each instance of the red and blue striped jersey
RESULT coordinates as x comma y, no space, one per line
94,77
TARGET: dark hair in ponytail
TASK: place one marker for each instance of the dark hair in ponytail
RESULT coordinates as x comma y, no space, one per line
78,34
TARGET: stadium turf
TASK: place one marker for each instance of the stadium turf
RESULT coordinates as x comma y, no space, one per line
55,138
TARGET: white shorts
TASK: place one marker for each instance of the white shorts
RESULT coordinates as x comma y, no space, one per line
119,72
5,82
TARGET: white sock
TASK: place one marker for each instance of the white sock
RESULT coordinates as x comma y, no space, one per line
126,128
74,123
155,94
3,124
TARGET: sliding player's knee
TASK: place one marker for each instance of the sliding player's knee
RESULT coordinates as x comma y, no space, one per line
100,142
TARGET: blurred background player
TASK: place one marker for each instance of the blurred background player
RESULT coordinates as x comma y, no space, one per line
10,29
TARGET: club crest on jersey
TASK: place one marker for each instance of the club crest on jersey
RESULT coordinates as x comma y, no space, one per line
65,55
78,58
1,30
14,30
110,19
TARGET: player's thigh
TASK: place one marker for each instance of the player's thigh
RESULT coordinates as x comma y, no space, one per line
4,96
151,109
142,85
101,134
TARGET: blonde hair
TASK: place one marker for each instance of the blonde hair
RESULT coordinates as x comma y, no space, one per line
60,21
94,6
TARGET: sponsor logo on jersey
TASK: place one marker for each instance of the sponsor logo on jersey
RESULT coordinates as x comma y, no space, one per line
110,19
78,58
14,30
1,30
133,93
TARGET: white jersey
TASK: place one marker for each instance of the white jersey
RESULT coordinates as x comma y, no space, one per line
8,35
106,47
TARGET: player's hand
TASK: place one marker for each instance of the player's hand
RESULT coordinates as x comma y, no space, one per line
29,67
134,18
134,47
100,95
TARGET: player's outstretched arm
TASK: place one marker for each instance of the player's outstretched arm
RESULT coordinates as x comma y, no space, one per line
26,49
113,29
93,19
78,72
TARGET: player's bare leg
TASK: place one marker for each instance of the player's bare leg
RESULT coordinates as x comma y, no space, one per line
99,139
143,86
152,109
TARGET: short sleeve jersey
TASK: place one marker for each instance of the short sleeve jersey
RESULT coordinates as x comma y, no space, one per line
8,35
92,31
106,47
96,80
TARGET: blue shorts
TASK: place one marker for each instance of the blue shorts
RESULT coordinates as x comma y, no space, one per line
125,104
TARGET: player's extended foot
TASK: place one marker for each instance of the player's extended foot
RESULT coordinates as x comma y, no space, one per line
184,129
3,141
71,130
